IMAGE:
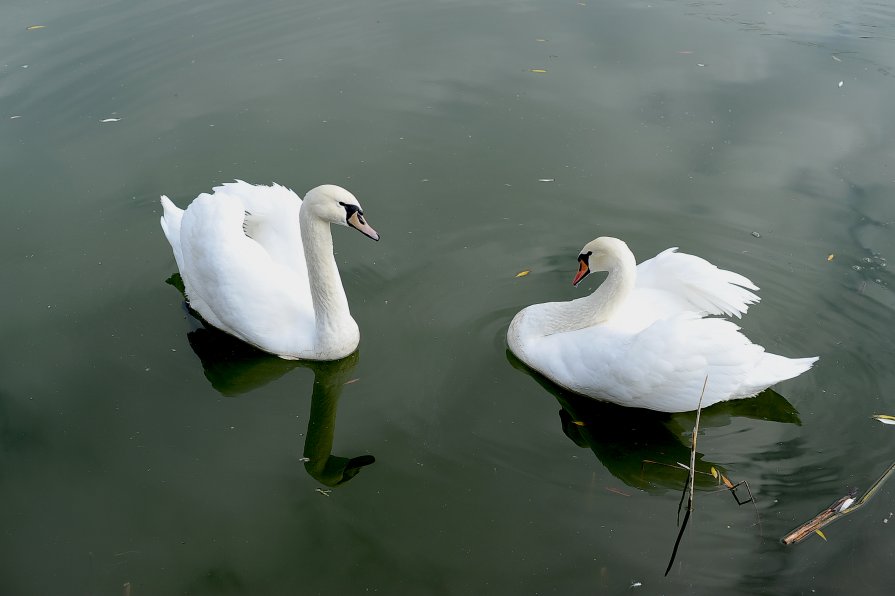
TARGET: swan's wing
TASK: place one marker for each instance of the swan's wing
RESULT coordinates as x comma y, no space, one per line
270,218
694,284
233,282
260,199
661,368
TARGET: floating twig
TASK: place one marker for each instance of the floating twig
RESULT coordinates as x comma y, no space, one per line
840,508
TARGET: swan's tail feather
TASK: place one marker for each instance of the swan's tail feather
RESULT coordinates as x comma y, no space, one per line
170,221
773,369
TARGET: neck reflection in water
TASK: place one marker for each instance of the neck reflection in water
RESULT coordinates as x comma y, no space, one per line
234,368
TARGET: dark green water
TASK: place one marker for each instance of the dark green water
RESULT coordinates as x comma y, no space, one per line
139,452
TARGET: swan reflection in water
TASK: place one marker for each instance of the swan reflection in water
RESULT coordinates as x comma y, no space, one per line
234,368
624,438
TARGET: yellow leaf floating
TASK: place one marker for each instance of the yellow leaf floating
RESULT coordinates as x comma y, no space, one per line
33,27
537,70
885,418
831,256
714,472
523,273
577,422
821,534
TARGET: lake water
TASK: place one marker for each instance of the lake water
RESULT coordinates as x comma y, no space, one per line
142,454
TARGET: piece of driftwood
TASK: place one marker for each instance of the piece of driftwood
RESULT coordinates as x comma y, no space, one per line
842,507
820,520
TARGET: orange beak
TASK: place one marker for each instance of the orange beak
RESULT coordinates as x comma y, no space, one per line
583,271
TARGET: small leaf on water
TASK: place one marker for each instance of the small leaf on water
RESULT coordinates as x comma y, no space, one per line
726,482
714,472
546,179
537,70
111,120
578,422
831,256
523,273
821,534
33,27
885,418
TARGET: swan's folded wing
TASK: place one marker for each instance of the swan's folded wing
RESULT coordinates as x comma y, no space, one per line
661,368
676,356
233,282
697,284
257,198
270,216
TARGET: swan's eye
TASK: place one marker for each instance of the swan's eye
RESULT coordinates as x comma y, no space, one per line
352,210
585,256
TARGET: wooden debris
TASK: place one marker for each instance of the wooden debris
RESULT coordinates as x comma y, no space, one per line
840,508
818,521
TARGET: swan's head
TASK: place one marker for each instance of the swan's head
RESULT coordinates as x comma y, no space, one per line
601,254
336,205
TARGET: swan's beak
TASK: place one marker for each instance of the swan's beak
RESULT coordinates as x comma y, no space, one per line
583,271
356,220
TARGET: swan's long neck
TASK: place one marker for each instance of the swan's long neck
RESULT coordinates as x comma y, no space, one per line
331,315
600,305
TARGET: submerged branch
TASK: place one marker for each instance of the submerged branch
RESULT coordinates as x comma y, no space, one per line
690,481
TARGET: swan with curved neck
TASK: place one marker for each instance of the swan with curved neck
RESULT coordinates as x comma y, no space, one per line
257,262
644,337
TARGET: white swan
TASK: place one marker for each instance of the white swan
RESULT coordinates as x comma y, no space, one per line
258,263
641,340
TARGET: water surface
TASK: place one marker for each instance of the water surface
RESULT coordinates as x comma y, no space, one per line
138,448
